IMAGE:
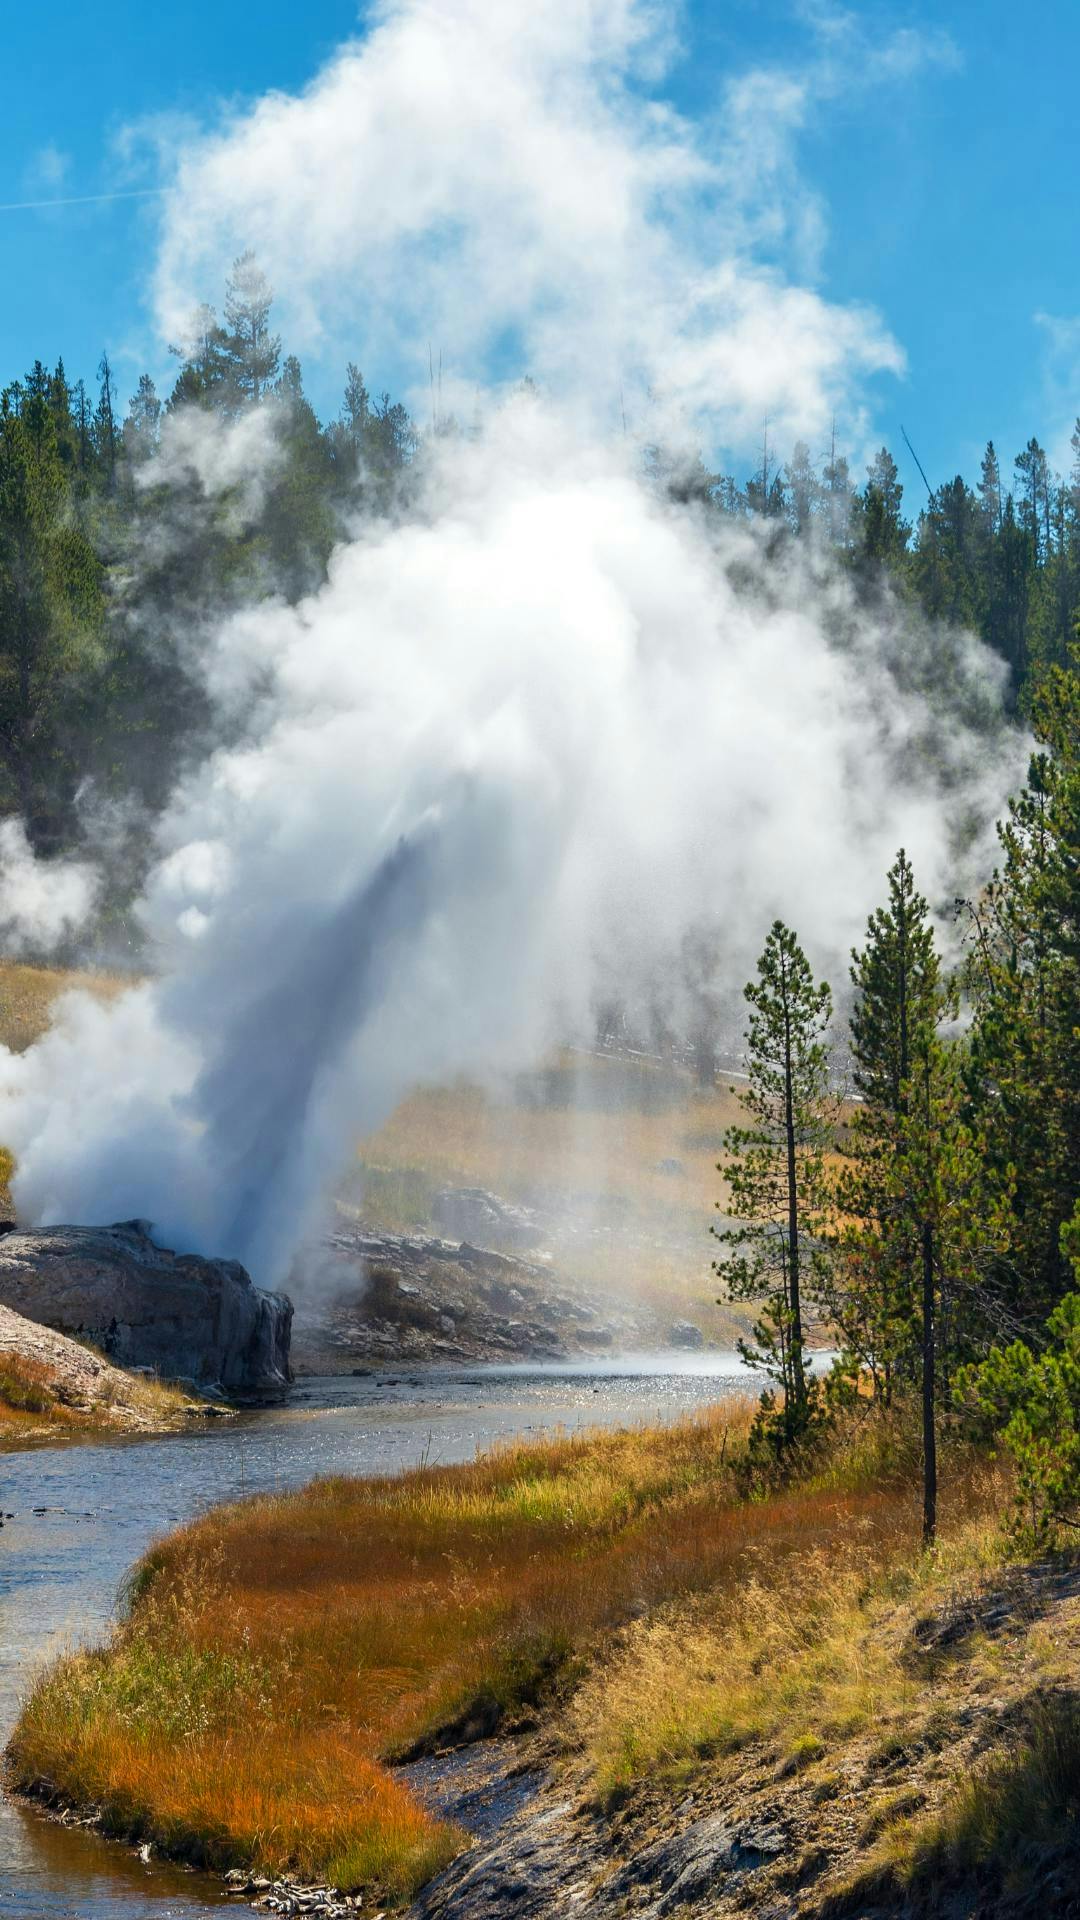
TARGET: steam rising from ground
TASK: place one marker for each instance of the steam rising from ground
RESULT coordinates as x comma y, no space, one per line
42,904
508,755
526,741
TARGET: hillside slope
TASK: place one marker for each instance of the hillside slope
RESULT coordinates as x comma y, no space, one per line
50,1384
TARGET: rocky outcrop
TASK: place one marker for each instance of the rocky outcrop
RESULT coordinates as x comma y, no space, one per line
474,1215
185,1317
87,1391
409,1297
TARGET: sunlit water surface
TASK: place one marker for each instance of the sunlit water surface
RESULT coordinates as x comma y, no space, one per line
82,1513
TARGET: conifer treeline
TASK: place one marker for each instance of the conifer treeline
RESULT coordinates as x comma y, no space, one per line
115,549
934,1224
113,554
1002,559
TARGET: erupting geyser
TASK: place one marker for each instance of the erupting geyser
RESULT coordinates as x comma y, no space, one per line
544,720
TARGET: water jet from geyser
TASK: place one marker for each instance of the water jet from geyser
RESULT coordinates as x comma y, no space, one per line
520,742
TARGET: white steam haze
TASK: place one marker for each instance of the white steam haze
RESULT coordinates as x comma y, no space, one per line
42,903
526,738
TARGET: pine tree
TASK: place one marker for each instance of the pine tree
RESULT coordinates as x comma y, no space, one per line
61,407
774,1167
50,610
989,489
945,566
883,533
1074,481
802,489
1033,475
143,423
250,351
838,498
938,1179
1011,578
105,430
1024,978
81,417
203,379
871,1260
297,525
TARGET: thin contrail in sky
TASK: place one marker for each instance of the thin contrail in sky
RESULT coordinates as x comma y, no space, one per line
82,199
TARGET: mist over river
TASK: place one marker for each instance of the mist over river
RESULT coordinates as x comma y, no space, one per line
83,1512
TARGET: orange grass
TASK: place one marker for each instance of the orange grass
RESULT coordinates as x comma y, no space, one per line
29,1397
278,1652
38,1400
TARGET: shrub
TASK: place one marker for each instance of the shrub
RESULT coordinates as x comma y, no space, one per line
1033,1400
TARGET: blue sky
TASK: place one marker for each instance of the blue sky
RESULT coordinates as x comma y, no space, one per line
949,198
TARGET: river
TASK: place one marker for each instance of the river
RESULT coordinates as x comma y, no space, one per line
76,1516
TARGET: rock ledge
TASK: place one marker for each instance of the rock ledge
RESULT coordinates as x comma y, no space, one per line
184,1317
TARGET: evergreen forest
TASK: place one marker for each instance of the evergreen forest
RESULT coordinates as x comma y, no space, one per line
116,550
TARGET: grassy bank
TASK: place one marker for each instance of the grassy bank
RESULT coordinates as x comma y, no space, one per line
30,1397
911,1721
51,1387
279,1652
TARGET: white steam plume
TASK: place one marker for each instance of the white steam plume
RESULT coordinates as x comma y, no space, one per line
43,903
504,181
522,741
552,719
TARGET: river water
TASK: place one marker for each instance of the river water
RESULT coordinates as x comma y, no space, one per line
77,1516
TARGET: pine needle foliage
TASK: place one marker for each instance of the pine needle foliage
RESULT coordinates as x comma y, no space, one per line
775,1166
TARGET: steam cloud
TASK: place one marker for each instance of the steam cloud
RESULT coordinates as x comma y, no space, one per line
505,179
42,903
524,739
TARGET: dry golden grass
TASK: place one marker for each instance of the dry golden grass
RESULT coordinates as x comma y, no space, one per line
801,1656
39,1400
28,1396
28,995
461,1135
284,1643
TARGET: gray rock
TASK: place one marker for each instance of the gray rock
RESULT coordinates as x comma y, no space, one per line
145,1306
473,1214
685,1334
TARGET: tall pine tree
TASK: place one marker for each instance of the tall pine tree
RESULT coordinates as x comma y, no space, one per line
774,1167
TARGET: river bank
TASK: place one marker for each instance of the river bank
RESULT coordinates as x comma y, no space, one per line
52,1387
296,1640
83,1515
915,1755
765,1702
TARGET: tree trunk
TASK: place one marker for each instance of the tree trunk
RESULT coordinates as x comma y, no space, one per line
929,1529
793,1231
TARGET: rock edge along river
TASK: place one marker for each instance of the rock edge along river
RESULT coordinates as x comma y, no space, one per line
83,1513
